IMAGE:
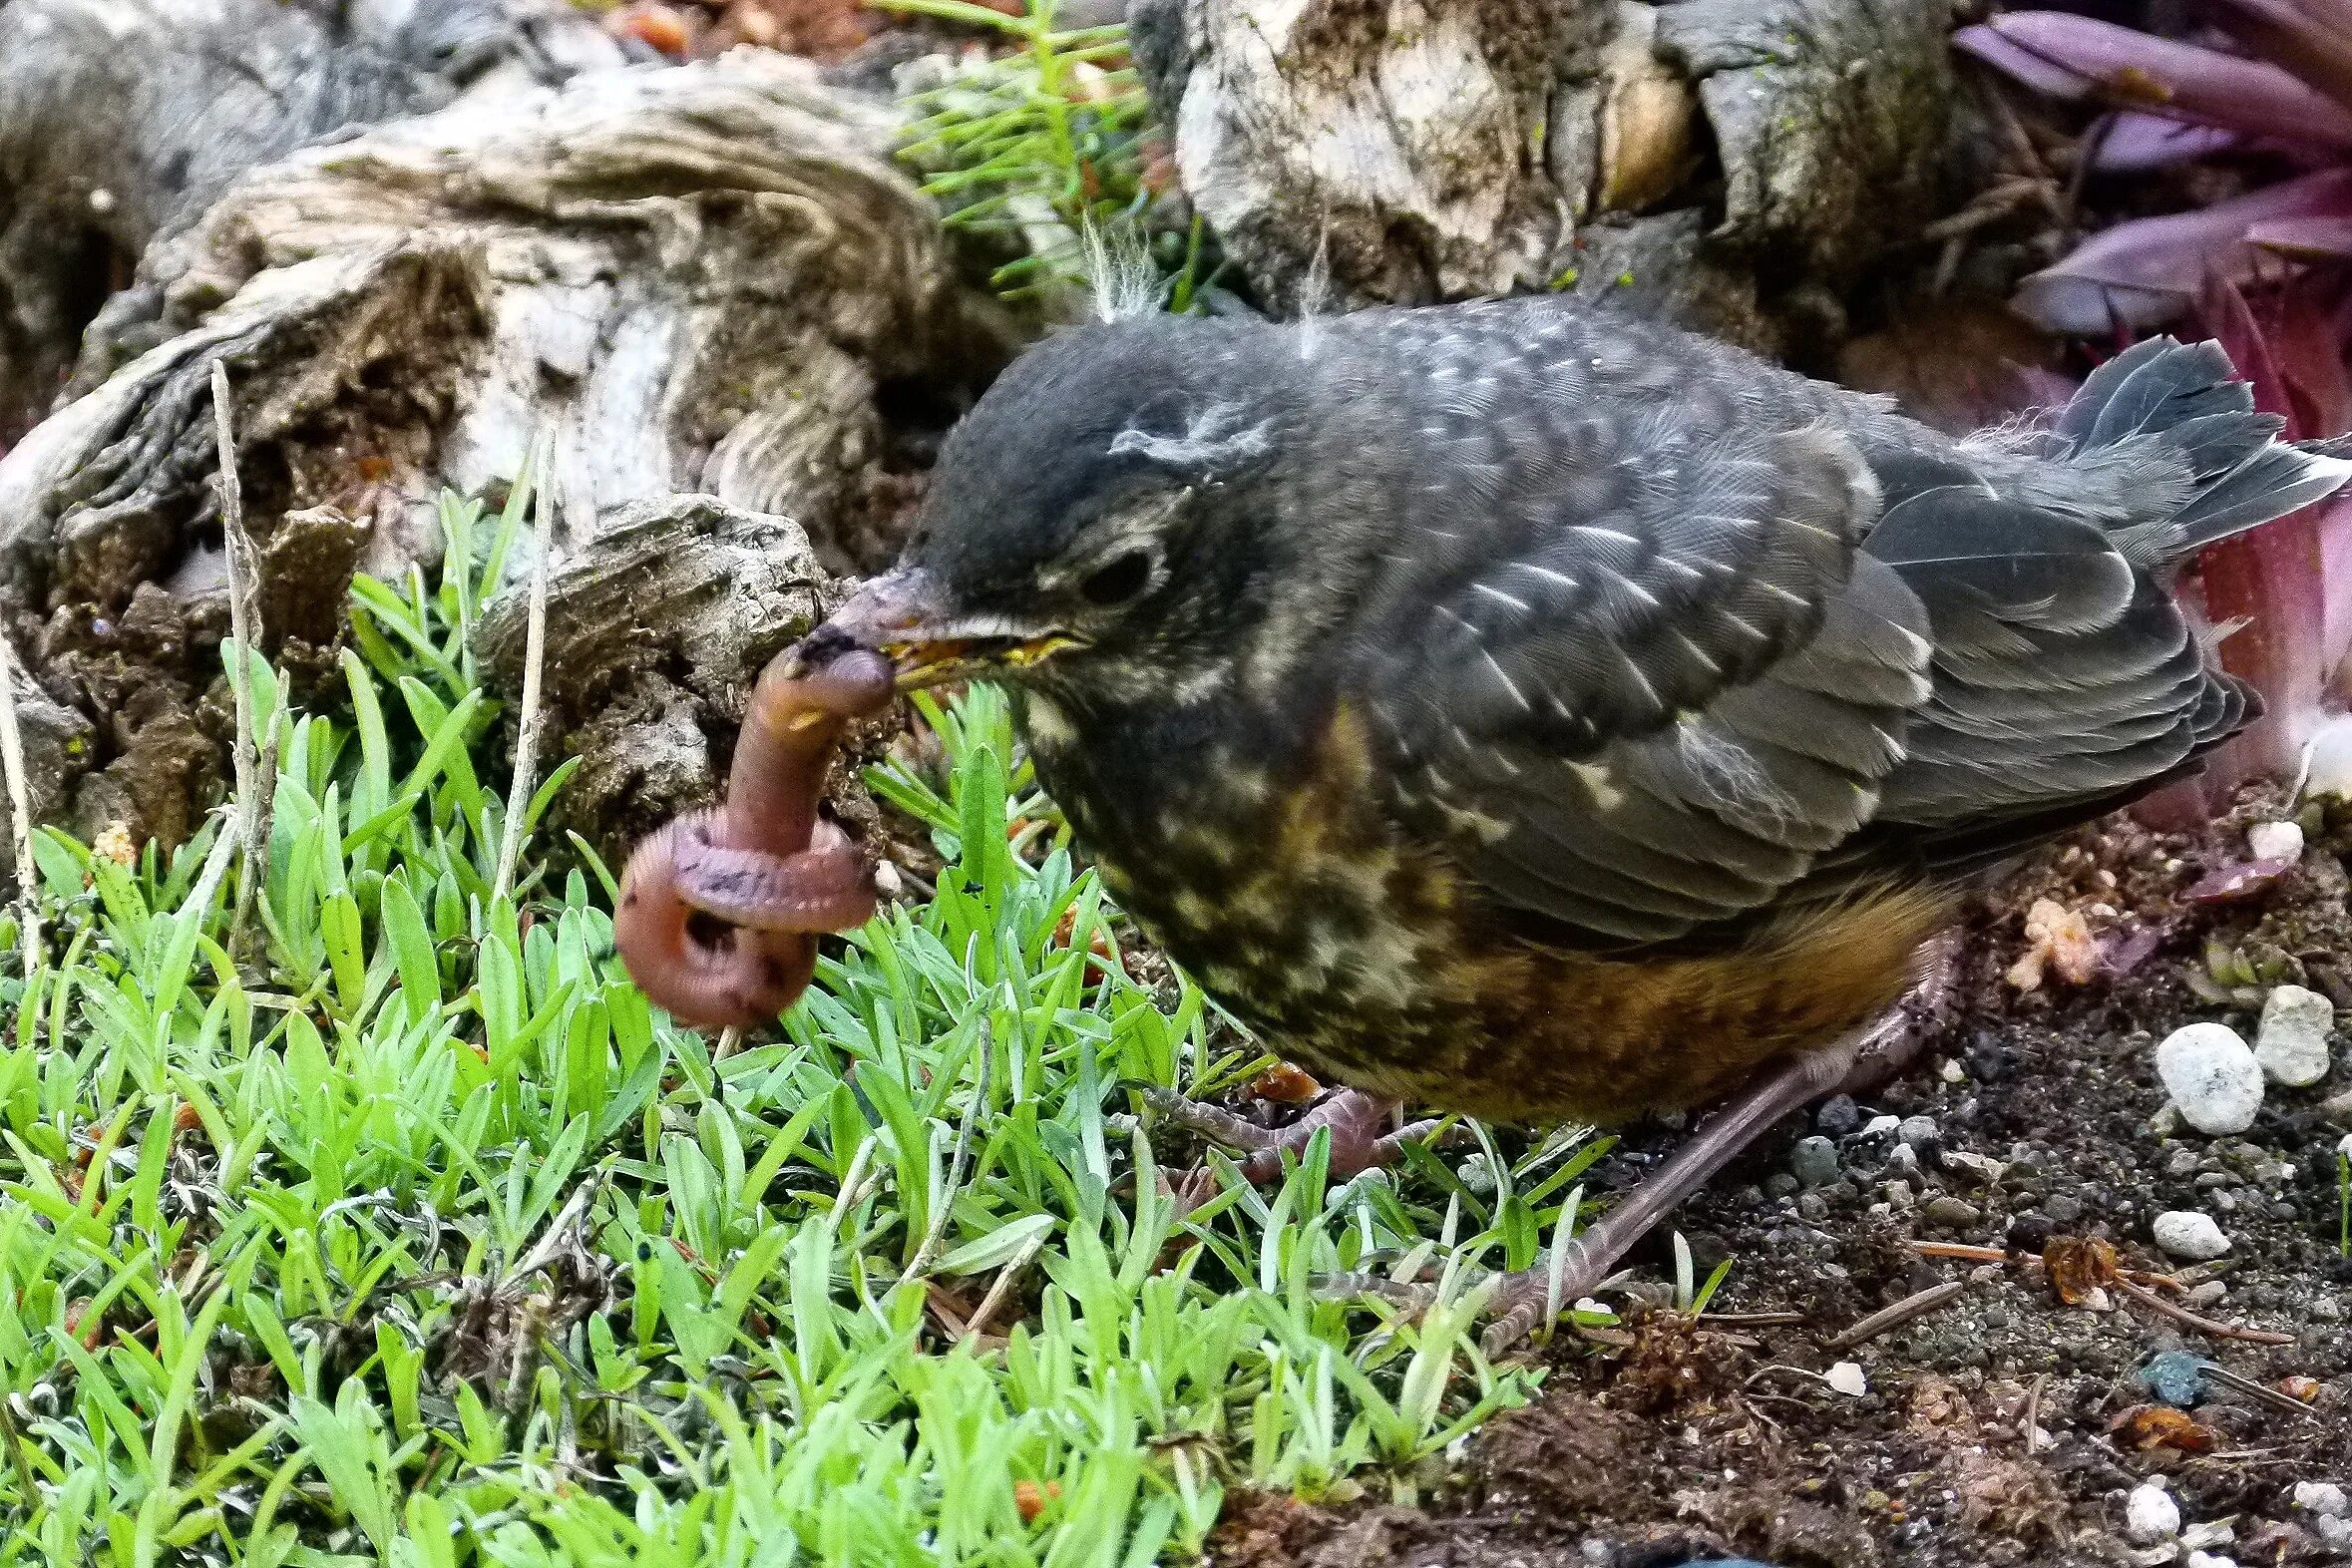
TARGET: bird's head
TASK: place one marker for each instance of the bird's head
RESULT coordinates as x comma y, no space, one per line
1100,515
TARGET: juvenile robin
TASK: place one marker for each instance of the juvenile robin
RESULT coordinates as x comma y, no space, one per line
1526,709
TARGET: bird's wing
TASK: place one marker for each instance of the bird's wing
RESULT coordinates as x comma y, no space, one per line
1665,685
2079,689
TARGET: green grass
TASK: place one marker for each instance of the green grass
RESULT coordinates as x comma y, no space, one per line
1035,146
416,1236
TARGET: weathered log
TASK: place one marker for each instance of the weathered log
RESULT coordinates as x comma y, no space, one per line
653,639
710,277
119,118
1734,163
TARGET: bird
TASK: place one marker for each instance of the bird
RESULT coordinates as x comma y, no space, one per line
1527,708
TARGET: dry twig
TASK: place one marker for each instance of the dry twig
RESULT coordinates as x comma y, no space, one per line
20,815
534,654
1917,1305
255,767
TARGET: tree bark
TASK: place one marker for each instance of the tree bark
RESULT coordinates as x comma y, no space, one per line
702,278
1733,165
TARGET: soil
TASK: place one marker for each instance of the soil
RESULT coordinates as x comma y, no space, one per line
1681,1439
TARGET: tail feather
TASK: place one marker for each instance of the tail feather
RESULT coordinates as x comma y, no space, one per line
2187,398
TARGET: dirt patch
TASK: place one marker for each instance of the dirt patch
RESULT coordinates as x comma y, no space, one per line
2004,1426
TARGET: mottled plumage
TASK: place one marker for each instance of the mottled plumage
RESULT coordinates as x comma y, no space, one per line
1533,710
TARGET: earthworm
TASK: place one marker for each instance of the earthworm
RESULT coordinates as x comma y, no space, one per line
720,911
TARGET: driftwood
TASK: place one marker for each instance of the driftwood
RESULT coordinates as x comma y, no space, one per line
1734,163
704,278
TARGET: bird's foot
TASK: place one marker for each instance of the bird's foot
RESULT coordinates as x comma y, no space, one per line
1353,1117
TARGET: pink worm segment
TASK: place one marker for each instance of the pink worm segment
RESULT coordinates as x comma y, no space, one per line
763,871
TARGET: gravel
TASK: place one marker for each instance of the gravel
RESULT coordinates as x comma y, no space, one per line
2292,1041
2190,1234
2214,1078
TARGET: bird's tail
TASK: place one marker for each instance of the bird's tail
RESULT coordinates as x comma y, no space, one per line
2186,400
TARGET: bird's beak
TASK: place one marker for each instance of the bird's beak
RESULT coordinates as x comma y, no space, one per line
904,613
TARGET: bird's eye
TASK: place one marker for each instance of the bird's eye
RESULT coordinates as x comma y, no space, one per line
1118,580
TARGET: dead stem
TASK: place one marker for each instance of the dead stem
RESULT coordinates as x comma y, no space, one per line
1916,1305
20,816
535,651
255,767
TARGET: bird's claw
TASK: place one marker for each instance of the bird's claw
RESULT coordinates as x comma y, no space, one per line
1351,1116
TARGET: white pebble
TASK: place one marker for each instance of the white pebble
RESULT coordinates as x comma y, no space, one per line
2185,1233
1878,1126
2325,1499
2151,1514
2276,841
2292,1041
1846,1377
2211,1560
2214,1078
2344,1145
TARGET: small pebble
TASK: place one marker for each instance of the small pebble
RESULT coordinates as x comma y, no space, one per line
2335,1534
2214,1078
2175,1377
2212,1532
2151,1514
1846,1377
1813,1161
1951,1071
1916,1130
1879,1126
2324,1497
1780,1184
2063,1208
2211,1560
2190,1234
1812,1205
2291,1043
1838,1117
1956,1213
2206,1295
2274,841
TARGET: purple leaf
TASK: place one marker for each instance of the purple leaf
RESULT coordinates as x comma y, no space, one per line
2232,884
2077,57
2311,37
2144,273
2131,142
2305,238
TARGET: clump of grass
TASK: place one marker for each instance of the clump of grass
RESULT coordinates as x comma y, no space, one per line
1036,147
422,1238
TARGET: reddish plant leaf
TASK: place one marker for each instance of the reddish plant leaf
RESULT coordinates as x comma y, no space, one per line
2235,882
2311,37
2079,57
2143,273
2131,141
2158,1427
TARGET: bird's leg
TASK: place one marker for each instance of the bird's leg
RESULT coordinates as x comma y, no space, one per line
1876,1050
1353,1117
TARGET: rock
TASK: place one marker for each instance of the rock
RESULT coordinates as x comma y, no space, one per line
1838,1117
1916,1130
2335,1534
2064,1208
1954,1213
2151,1515
1780,1184
2211,1560
2292,1041
2210,1293
1812,1206
2190,1234
2274,841
1813,1161
1880,1126
1846,1377
2215,1080
2325,1499
2175,1377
